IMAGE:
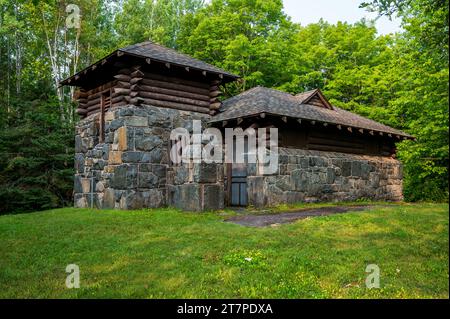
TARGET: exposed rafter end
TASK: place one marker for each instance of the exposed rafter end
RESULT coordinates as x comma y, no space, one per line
187,69
361,131
262,115
284,119
299,121
339,127
325,124
204,73
381,133
94,67
371,132
148,60
221,75
167,65
120,53
239,121
349,129
224,123
313,122
389,134
104,61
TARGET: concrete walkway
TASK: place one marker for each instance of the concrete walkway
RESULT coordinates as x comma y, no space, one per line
262,220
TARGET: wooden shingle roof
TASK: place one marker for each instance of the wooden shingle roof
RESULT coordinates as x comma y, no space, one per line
261,100
161,53
149,52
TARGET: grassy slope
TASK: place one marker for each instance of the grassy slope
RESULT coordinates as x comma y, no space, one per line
166,253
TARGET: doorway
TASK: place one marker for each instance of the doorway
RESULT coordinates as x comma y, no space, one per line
238,189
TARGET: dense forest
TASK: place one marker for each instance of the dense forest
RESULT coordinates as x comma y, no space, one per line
401,80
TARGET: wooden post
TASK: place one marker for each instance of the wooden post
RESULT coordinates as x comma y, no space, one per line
229,170
102,119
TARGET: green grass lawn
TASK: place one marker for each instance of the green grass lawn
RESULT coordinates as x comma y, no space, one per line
164,253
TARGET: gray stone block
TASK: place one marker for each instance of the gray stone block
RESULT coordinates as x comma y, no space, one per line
304,162
147,143
205,173
115,124
181,175
331,175
300,180
346,169
317,161
356,168
132,157
213,197
125,176
154,156
365,170
79,147
79,163
147,180
145,167
77,186
109,200
160,170
154,198
126,111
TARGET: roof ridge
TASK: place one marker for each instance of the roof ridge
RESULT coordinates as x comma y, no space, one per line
309,91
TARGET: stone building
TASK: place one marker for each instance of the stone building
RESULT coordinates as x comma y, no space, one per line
131,100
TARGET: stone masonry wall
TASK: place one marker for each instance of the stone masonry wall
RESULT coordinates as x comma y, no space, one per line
196,187
311,176
131,168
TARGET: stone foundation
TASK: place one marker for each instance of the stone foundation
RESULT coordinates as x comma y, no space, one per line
131,170
312,176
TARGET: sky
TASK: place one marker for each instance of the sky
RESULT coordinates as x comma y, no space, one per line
310,11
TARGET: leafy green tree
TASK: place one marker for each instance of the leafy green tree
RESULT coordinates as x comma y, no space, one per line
156,20
251,38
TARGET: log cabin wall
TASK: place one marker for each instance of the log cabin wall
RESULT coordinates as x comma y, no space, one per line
144,85
313,137
306,136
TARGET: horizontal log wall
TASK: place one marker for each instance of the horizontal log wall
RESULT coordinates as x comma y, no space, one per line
89,101
171,92
136,86
327,139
